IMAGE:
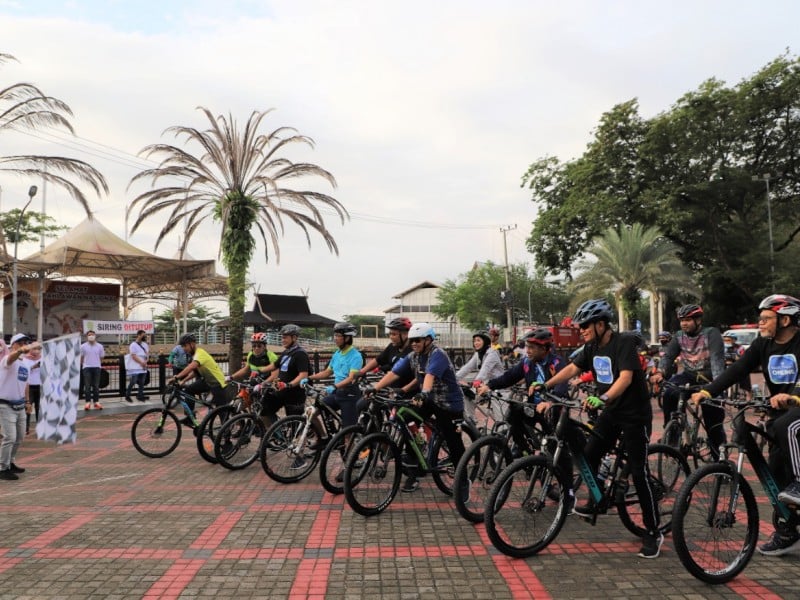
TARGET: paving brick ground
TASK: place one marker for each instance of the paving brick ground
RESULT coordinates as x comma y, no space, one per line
98,520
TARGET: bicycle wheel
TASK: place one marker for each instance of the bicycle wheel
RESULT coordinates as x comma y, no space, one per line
334,456
667,470
444,471
673,434
715,527
156,432
208,430
521,519
479,467
237,443
372,482
284,452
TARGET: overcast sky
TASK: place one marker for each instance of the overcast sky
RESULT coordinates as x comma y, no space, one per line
427,113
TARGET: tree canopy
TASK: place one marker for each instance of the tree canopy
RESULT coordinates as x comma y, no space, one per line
697,172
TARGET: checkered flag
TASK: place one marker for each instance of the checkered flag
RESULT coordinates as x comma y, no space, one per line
61,375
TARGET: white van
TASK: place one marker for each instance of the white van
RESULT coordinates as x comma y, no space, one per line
745,334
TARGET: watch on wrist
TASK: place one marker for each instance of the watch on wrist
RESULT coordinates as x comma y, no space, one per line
604,398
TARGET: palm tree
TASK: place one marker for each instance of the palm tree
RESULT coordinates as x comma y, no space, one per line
25,106
237,178
630,260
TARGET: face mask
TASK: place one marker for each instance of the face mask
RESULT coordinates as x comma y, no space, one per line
90,338
728,346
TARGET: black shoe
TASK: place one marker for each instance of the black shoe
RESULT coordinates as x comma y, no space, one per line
411,485
142,399
15,469
651,545
8,475
780,543
128,399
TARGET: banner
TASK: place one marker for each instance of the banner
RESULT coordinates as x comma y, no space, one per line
61,376
118,327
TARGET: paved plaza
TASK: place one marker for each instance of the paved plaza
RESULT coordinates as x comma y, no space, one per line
98,520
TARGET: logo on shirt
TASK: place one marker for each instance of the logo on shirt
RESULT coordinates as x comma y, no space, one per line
602,370
782,368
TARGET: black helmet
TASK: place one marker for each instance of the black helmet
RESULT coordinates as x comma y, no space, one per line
487,341
187,338
344,328
539,337
592,311
689,311
290,329
399,324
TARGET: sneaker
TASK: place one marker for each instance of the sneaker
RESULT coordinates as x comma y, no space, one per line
128,399
299,463
780,544
411,485
651,545
8,475
88,406
15,469
98,406
791,493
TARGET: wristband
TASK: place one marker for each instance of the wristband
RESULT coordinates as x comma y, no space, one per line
796,400
706,393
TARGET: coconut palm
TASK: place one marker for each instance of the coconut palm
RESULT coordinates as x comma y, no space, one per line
238,178
627,261
24,106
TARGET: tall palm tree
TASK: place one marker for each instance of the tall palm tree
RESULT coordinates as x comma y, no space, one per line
237,178
24,106
627,261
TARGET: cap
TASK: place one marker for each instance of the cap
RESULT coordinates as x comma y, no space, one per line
20,337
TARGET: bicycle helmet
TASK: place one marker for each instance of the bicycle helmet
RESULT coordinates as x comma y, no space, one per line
689,311
781,304
665,334
345,328
487,341
592,311
494,331
421,330
258,338
290,329
539,337
399,324
187,338
731,336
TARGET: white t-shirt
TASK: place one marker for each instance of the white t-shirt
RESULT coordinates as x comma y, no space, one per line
13,379
34,373
140,349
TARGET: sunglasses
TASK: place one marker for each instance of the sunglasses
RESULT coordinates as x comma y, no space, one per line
416,340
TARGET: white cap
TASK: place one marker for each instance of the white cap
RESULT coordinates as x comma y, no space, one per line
18,338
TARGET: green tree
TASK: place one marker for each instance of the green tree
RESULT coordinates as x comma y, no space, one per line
626,262
23,106
238,178
370,321
31,227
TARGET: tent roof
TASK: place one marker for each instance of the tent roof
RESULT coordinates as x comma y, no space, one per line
271,311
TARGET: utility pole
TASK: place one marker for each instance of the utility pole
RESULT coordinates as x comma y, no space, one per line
504,231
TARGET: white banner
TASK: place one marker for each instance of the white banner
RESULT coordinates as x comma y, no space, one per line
118,327
61,376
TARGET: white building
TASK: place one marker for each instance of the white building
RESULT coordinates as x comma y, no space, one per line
417,303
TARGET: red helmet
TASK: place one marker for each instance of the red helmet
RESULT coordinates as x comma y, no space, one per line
258,338
539,337
689,311
400,324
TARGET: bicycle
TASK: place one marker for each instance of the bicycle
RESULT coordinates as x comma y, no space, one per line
288,451
237,441
247,399
375,465
716,519
682,431
522,517
156,432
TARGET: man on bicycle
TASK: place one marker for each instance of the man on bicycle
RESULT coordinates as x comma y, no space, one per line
208,377
289,371
777,352
700,352
258,359
613,360
398,347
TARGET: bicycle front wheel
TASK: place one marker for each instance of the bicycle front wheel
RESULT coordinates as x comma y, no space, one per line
372,474
208,430
156,432
715,527
667,470
334,456
285,453
476,473
673,434
237,443
521,519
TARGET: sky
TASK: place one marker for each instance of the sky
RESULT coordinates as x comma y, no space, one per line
427,113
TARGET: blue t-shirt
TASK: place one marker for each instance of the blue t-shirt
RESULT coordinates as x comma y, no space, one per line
344,362
446,391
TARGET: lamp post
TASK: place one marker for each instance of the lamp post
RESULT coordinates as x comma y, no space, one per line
530,311
31,193
766,178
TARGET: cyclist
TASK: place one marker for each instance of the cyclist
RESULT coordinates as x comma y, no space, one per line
494,335
344,366
699,351
733,352
777,352
613,360
440,393
664,338
289,372
258,359
485,364
397,348
208,377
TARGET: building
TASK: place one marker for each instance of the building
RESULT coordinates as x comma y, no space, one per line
417,303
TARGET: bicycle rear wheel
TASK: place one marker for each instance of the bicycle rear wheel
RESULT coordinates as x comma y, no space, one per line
476,472
667,472
334,456
156,432
521,519
372,474
444,471
208,430
237,443
715,536
285,453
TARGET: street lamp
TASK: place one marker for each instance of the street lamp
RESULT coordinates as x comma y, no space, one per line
765,178
530,311
31,193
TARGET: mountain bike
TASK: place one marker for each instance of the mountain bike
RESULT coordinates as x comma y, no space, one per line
683,430
408,444
248,399
237,441
524,514
716,521
156,432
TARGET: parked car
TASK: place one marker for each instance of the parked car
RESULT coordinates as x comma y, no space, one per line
745,334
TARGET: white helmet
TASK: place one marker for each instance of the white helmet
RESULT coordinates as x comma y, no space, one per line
421,330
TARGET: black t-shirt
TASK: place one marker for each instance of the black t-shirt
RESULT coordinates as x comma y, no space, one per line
389,357
291,363
633,406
